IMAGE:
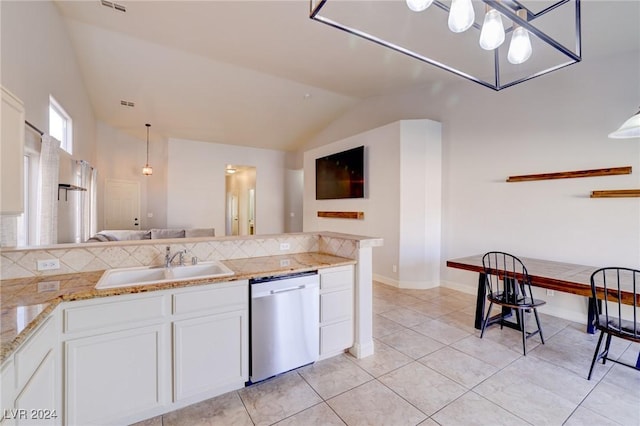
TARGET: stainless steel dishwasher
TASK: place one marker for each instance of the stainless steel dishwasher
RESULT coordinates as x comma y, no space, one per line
284,323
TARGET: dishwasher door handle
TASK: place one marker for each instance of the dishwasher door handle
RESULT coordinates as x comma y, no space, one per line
284,290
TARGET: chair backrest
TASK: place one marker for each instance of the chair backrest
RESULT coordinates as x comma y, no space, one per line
502,270
620,309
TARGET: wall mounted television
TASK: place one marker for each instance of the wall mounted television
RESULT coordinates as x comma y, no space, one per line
340,175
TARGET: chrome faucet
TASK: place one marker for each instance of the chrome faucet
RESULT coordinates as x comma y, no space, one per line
168,257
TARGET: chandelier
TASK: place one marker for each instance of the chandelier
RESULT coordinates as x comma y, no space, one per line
495,43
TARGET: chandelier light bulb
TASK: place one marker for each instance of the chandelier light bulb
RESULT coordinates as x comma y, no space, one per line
492,34
461,15
520,47
418,5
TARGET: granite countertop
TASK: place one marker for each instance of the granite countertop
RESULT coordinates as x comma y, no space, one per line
26,302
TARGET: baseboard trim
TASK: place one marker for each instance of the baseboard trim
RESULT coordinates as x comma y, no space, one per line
413,285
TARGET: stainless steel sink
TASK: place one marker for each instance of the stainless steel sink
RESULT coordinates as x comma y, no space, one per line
127,277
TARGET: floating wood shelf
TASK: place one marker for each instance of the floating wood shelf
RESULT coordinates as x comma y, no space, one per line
616,193
574,174
342,215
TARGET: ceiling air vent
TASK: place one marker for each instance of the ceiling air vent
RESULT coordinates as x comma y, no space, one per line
113,5
127,104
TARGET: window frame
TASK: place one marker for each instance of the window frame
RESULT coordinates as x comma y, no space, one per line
66,140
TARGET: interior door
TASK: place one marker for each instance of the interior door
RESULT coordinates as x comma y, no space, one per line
122,204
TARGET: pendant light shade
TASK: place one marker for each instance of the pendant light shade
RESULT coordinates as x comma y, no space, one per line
147,170
418,5
492,34
520,47
629,129
461,15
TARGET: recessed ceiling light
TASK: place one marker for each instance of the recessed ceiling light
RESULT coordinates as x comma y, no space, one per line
307,96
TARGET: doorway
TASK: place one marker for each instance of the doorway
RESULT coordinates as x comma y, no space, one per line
122,204
240,189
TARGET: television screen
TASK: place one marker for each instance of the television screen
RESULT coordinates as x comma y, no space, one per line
340,175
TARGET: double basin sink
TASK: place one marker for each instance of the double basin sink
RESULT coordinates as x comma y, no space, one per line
127,277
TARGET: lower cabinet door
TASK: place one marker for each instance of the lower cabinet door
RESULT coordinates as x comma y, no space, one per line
335,338
112,376
210,354
37,402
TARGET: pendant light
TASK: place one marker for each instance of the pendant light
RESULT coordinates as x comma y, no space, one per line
520,47
147,170
492,34
418,5
629,129
461,15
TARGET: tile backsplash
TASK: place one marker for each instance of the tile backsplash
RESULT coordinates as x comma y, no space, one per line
21,263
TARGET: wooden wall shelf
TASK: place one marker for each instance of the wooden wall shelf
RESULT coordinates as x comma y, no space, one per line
573,174
342,215
616,193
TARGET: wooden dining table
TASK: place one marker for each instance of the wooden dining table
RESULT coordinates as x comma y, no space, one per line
551,275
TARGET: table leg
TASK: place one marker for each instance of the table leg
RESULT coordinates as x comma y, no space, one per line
480,298
591,314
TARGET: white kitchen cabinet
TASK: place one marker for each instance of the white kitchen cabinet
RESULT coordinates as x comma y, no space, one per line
116,358
135,356
336,310
11,154
116,375
38,401
31,379
7,392
210,352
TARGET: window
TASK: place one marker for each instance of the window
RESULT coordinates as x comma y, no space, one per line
60,125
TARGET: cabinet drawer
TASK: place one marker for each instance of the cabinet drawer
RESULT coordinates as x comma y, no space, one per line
336,305
29,357
341,276
336,337
119,311
216,297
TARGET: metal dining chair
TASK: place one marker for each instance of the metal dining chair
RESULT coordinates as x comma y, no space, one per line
508,285
616,314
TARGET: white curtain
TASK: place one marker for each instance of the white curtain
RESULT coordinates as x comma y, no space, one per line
47,226
88,212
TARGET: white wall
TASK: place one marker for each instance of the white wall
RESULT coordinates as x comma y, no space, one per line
121,156
38,61
420,203
196,184
557,122
399,206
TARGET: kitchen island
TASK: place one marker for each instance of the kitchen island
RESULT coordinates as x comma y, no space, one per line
37,307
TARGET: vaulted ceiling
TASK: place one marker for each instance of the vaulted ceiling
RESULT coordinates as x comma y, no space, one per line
258,73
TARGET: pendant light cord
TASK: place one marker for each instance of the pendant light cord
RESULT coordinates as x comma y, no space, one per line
148,125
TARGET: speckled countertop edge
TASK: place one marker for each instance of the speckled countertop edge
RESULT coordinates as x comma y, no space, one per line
81,286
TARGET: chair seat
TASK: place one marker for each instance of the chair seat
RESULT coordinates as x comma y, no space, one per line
522,302
623,325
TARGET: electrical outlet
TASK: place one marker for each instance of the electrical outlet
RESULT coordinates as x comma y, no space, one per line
46,286
48,264
284,246
550,292
285,263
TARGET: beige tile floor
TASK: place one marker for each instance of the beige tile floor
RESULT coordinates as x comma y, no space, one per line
430,367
